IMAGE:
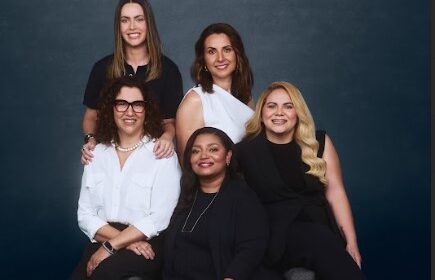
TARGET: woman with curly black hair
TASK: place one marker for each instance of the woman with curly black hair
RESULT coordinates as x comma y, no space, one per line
127,195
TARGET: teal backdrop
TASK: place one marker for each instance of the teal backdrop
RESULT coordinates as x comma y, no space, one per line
363,67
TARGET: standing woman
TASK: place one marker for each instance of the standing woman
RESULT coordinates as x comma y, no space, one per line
224,81
137,53
127,195
219,228
296,173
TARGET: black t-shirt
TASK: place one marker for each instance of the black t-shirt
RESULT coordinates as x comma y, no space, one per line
167,89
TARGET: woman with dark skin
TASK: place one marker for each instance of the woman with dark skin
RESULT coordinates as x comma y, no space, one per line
296,174
127,195
137,53
219,229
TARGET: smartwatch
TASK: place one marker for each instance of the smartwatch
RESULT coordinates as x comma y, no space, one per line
88,137
108,247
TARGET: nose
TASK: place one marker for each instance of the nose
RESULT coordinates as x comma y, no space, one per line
131,26
220,56
129,111
204,154
279,111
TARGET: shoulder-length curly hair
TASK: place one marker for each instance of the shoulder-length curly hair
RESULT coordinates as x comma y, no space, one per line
152,41
106,129
305,134
189,180
242,78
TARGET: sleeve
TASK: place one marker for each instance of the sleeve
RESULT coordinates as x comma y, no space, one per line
173,92
88,219
252,234
96,81
164,198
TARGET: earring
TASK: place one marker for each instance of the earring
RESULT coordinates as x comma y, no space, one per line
205,68
228,163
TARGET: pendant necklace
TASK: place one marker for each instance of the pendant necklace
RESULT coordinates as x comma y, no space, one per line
183,229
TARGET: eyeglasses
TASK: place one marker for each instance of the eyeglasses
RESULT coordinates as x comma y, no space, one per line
121,105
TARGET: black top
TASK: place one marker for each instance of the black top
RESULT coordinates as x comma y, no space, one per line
265,171
167,89
192,258
236,232
289,163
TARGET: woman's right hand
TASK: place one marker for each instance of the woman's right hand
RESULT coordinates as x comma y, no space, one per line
87,151
142,248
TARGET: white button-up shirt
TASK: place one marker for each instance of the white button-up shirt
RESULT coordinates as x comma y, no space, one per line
143,194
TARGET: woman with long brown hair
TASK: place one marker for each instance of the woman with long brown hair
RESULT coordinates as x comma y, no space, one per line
137,53
222,97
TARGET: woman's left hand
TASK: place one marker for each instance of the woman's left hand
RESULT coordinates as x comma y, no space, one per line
163,148
99,256
352,249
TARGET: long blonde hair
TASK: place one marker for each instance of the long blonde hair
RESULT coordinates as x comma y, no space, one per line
153,45
305,134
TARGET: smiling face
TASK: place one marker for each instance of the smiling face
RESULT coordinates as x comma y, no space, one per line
129,123
219,57
279,117
209,158
133,25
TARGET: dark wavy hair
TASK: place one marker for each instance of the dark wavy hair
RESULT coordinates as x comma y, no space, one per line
106,129
189,180
242,78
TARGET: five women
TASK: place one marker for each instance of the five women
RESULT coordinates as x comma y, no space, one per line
219,229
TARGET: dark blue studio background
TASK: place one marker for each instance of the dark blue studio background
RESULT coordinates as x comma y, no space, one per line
363,67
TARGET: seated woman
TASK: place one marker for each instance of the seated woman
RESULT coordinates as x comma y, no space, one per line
224,81
127,195
298,179
219,228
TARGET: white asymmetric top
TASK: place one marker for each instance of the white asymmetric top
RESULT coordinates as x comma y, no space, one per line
223,111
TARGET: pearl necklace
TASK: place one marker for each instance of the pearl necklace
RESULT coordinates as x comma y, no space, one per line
129,149
183,229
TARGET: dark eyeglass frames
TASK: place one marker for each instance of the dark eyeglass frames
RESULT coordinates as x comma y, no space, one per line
121,105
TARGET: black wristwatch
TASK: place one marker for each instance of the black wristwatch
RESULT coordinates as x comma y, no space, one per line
88,137
108,247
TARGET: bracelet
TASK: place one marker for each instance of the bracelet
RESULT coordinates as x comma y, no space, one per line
88,137
108,247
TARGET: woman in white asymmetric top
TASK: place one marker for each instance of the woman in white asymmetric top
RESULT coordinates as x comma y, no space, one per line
222,110
223,98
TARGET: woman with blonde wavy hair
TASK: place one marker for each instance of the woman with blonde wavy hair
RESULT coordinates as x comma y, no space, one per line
295,171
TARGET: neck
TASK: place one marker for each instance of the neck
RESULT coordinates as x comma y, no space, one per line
211,185
223,83
279,138
126,141
137,56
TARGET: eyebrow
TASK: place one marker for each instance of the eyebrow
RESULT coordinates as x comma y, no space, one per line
208,145
133,17
226,46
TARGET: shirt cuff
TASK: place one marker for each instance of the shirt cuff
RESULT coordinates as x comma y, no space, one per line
146,226
92,227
